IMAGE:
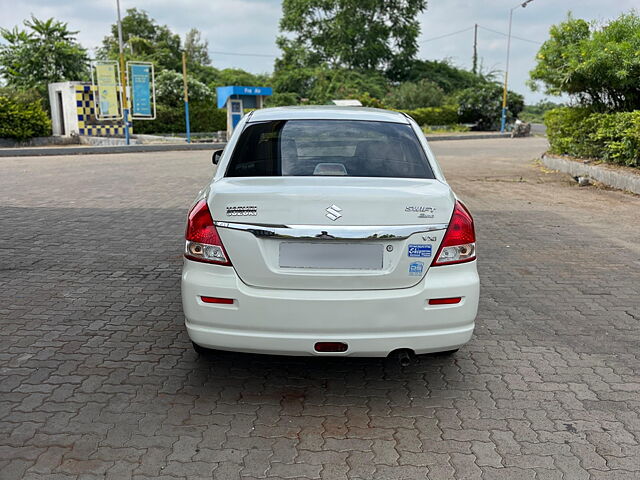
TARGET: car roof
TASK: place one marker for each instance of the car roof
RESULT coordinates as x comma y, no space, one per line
327,112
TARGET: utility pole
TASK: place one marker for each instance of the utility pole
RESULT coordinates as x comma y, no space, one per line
503,118
475,50
123,82
186,95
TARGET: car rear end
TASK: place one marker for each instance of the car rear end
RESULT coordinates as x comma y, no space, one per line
329,236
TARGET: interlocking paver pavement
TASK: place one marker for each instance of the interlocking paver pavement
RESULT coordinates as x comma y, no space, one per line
98,378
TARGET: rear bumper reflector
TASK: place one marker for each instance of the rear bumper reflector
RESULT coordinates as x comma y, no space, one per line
330,347
224,301
444,301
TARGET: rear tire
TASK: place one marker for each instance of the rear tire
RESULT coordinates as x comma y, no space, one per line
200,350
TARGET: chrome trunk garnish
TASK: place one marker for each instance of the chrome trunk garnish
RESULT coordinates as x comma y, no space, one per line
329,232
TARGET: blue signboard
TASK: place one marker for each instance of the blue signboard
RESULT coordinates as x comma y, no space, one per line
141,90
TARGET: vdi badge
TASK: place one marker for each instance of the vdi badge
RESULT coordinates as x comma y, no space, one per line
423,251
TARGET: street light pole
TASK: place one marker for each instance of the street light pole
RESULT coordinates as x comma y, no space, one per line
123,83
503,117
186,96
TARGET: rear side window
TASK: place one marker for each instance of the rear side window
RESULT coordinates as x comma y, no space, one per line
328,148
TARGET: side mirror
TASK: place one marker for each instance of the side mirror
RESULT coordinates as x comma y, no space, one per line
215,158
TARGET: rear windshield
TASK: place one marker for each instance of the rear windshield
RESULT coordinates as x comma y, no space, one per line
328,147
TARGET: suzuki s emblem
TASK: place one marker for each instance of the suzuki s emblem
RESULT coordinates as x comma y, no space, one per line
333,212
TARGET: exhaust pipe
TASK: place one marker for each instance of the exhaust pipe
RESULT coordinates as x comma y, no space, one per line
404,356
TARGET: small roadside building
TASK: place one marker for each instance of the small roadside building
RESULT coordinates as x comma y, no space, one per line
73,112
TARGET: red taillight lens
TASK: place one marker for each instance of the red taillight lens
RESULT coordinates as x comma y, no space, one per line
445,301
203,244
223,301
326,347
459,243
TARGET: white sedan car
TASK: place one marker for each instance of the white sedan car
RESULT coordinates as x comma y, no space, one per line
329,231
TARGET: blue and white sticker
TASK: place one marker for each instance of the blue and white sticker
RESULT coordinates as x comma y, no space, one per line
416,268
423,251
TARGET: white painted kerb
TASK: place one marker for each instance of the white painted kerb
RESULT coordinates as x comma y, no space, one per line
621,179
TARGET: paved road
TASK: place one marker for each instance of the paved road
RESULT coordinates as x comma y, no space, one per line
98,379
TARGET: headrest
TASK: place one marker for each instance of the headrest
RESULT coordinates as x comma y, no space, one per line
377,150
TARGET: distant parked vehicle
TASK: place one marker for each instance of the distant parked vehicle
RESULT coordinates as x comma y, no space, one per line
329,231
521,129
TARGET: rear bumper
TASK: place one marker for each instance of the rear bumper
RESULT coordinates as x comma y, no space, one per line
290,322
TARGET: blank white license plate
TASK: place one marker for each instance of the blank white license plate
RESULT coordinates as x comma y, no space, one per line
355,256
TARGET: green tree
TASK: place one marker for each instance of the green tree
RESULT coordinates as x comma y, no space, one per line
143,39
596,66
279,99
336,83
409,95
169,90
196,48
352,34
320,85
299,80
236,76
198,60
45,52
443,73
22,115
482,105
535,113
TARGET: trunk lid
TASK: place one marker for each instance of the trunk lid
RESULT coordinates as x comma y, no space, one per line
330,233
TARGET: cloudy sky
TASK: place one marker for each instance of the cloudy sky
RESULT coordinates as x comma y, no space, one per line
249,27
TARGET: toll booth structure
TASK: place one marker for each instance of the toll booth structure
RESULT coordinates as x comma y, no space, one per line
73,112
236,99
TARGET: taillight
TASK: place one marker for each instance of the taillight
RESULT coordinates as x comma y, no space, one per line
459,243
203,244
